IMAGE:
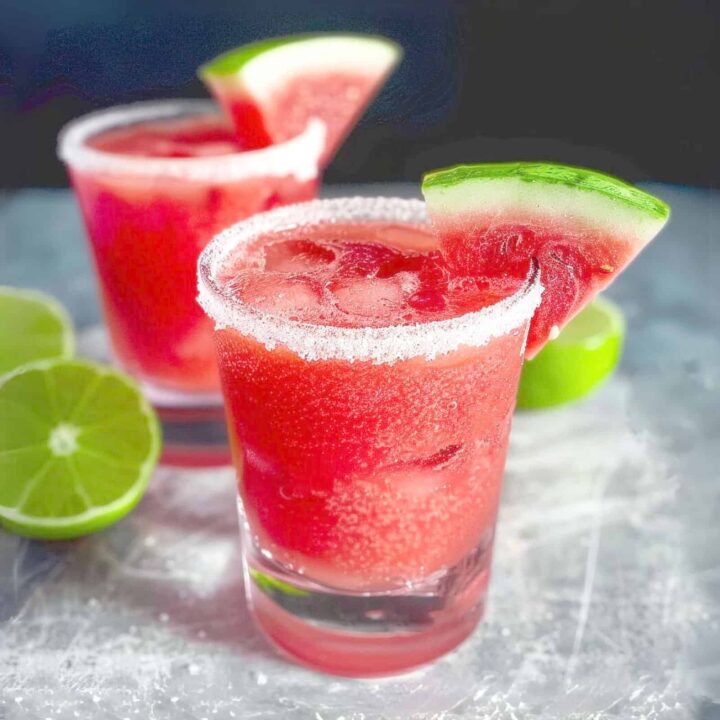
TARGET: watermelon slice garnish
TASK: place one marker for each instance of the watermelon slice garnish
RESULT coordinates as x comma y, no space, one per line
272,88
584,228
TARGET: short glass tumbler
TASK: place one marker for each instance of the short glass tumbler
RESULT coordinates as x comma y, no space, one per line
369,459
148,219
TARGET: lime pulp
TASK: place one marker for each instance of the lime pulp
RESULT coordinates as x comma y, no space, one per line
78,444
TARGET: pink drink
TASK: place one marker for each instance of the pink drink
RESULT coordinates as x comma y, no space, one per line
155,181
369,395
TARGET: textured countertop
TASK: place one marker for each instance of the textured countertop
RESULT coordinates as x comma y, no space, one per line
605,599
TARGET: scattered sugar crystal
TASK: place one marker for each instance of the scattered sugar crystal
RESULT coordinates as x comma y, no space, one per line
262,678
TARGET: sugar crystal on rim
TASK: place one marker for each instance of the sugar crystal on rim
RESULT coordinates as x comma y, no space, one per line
387,344
298,157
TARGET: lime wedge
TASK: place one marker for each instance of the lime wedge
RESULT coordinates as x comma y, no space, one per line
578,360
33,326
78,444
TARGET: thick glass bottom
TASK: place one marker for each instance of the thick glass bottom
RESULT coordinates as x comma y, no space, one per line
367,634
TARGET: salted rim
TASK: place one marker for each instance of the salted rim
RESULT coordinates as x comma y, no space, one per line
298,156
380,345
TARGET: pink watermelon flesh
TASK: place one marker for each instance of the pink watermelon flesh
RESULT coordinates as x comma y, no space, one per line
576,261
247,120
338,99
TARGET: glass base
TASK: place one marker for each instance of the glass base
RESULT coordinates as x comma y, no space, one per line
193,424
194,436
367,634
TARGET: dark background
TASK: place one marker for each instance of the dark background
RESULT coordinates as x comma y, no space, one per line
628,87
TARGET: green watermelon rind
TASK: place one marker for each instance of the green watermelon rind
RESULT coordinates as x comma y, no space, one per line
229,63
550,174
232,62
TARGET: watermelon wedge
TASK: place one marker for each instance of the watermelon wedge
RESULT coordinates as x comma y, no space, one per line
270,89
583,227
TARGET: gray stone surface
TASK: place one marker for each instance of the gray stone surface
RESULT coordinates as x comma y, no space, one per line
605,600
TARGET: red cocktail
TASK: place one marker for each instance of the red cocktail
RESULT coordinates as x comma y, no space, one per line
155,181
369,393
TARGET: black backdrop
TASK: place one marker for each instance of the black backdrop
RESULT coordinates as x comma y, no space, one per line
629,87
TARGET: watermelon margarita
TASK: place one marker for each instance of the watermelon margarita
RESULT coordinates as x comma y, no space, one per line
369,392
155,181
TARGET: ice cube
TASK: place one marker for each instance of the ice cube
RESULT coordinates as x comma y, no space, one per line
419,478
297,256
415,482
296,297
368,298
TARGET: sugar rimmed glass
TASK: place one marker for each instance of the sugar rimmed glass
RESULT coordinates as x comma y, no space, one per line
369,459
147,219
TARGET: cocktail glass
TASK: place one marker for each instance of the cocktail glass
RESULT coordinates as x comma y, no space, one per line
148,219
369,459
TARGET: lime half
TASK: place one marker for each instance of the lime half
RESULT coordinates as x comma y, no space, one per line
33,326
580,358
78,444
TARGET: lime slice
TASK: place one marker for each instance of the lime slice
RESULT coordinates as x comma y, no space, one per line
78,444
578,360
33,326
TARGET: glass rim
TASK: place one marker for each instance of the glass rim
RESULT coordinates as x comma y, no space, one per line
379,345
299,156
